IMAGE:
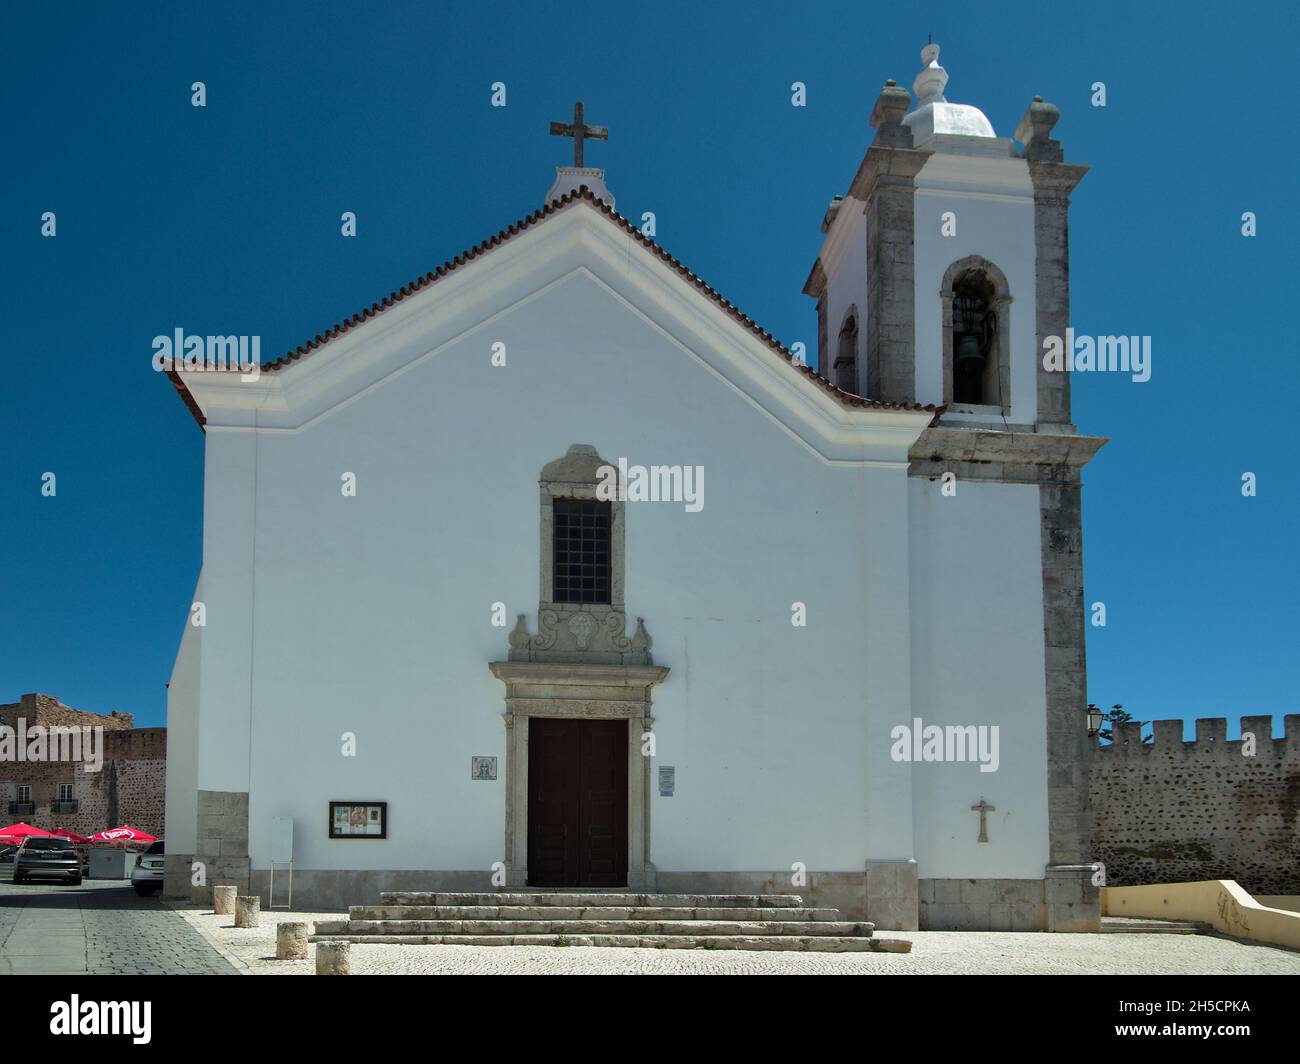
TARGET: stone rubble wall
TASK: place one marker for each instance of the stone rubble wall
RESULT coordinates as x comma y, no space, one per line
140,788
129,788
1176,811
46,710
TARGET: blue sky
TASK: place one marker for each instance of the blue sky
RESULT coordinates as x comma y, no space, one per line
226,220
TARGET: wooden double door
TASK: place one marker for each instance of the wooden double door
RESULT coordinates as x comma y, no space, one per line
577,802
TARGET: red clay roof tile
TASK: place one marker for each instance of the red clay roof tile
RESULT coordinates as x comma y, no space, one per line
583,194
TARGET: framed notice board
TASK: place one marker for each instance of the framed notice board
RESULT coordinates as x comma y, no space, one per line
358,820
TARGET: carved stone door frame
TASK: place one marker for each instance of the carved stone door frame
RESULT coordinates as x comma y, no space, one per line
578,691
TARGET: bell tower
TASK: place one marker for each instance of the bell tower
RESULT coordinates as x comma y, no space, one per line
944,269
945,264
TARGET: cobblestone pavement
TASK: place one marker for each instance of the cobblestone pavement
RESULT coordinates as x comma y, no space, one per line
933,953
99,928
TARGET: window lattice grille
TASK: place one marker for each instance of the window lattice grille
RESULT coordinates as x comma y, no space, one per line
582,550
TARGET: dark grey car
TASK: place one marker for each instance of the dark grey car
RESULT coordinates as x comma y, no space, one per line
47,858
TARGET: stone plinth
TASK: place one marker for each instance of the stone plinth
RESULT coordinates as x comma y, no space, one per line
333,958
291,941
248,911
223,899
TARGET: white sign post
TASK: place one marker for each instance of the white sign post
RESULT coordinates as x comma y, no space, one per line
281,857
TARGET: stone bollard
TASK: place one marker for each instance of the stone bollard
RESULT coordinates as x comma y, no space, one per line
223,900
248,911
291,941
332,958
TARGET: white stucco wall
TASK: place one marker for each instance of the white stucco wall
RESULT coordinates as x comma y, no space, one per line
228,583
372,613
993,201
370,616
182,739
845,262
977,634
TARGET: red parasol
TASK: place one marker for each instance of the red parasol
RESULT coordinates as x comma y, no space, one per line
18,832
71,836
123,836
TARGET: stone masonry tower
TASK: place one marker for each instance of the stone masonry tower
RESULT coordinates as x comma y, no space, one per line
944,268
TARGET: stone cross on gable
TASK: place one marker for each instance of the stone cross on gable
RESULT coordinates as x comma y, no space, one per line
579,131
984,809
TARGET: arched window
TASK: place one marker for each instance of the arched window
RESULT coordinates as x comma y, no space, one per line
976,331
846,354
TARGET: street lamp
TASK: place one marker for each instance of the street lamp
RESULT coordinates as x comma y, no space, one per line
1095,719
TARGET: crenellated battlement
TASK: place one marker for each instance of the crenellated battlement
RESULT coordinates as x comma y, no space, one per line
1176,811
1211,739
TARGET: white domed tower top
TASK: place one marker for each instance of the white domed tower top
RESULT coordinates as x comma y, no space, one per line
934,115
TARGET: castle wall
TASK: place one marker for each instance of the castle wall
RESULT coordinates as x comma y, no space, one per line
127,789
1177,811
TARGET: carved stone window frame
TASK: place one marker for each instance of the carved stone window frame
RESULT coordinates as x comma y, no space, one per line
577,476
590,632
1001,307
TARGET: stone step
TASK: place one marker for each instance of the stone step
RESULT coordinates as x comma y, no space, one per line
795,943
582,900
697,928
1141,925
598,912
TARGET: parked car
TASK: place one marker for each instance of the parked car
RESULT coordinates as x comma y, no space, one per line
47,858
147,875
7,854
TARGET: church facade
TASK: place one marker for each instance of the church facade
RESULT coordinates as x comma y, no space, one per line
553,569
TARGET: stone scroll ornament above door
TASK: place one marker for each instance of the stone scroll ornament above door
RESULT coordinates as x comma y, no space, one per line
581,628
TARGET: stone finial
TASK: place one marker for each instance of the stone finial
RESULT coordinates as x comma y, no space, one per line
891,106
519,635
1035,132
641,641
932,79
887,117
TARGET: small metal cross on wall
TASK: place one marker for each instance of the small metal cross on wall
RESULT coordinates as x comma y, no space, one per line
579,132
984,809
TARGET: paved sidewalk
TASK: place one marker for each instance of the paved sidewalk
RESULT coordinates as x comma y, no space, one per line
99,928
933,953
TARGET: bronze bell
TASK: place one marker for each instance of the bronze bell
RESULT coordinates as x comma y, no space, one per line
970,354
972,335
